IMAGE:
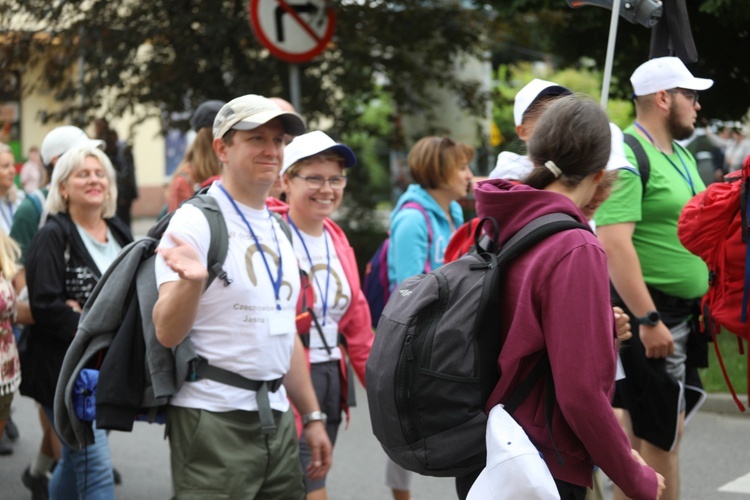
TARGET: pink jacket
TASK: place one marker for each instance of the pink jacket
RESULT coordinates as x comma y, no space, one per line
555,299
355,325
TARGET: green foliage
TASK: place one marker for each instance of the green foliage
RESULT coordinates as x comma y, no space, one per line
511,78
550,30
736,365
369,181
173,54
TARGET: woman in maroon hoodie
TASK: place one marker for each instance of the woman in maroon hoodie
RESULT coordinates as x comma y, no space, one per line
556,303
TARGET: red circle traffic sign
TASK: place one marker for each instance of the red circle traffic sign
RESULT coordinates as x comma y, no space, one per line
293,32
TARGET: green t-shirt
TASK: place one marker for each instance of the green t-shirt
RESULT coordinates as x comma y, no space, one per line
666,264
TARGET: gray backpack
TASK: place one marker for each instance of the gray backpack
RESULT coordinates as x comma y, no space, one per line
433,363
138,383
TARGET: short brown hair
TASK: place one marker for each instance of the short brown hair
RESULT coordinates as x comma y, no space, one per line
432,159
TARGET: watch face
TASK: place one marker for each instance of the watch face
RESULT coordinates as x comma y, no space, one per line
651,318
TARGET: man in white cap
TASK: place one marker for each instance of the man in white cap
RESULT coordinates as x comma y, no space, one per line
227,441
530,103
656,278
25,225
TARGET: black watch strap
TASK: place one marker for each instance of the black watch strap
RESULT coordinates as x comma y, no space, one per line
651,318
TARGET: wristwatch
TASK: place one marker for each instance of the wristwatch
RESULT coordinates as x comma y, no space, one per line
651,318
315,416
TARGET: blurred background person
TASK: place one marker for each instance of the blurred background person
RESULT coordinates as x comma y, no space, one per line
439,168
121,157
200,163
10,364
10,196
32,172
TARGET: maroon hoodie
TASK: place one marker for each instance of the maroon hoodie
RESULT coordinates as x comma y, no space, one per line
556,299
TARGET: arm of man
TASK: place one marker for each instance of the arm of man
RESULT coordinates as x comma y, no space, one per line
181,274
177,306
300,390
627,277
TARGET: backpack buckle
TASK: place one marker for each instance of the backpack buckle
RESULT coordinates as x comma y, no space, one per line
194,367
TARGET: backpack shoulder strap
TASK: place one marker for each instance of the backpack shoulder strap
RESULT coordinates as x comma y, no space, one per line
420,208
219,245
537,230
644,165
284,225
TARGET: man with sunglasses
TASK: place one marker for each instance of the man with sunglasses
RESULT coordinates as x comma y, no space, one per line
655,277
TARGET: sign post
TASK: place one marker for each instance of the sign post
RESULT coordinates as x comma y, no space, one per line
294,32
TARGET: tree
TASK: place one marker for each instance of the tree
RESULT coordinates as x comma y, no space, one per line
565,35
172,54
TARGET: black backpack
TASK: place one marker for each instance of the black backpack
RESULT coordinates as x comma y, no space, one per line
433,363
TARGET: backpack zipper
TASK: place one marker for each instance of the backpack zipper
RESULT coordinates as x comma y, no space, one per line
403,393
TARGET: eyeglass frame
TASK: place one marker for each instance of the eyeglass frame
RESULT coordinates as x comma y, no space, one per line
689,93
322,180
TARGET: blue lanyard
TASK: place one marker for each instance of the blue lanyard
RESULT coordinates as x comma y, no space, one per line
323,296
276,283
684,174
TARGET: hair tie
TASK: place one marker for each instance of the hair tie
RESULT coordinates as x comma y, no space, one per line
550,165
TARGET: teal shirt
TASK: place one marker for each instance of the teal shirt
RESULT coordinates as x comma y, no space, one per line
665,263
408,250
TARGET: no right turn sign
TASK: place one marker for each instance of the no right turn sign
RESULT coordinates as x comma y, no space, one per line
293,31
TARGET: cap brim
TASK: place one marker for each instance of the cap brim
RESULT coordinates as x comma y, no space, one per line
292,122
346,152
697,84
619,162
552,90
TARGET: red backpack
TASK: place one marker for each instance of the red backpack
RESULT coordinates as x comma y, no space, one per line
714,226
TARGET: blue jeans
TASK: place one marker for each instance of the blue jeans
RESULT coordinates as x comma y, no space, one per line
84,474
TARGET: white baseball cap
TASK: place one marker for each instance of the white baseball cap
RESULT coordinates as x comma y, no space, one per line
312,143
531,92
250,111
514,466
617,158
664,73
61,139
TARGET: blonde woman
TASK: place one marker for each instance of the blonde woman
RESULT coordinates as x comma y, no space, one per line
66,259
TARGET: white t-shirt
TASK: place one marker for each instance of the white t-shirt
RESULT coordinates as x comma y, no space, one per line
322,277
238,327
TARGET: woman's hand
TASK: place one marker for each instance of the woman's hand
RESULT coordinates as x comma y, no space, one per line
623,324
183,259
73,304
